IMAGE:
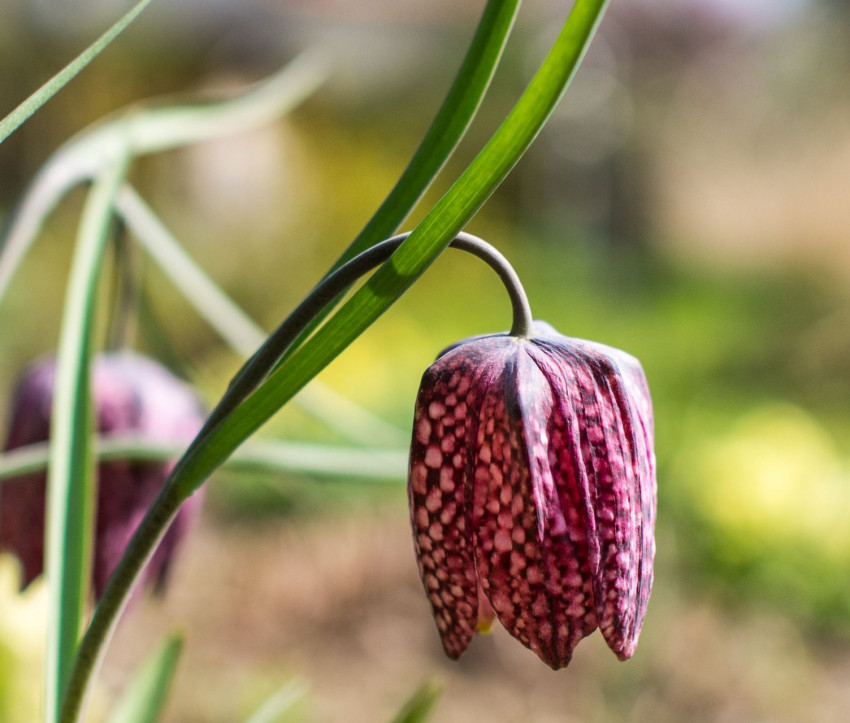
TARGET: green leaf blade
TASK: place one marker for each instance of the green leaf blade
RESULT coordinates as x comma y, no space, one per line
14,120
442,137
355,464
448,127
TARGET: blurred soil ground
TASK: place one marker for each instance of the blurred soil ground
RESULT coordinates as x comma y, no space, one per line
337,603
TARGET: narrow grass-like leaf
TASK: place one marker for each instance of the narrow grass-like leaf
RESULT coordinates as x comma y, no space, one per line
70,493
144,699
155,129
263,455
427,241
280,704
420,706
12,121
447,128
238,329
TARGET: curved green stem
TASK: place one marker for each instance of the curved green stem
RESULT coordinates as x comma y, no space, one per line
184,480
522,319
281,339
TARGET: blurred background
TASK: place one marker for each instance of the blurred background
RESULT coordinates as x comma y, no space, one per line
688,202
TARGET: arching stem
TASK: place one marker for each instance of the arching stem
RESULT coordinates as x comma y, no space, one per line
278,343
173,494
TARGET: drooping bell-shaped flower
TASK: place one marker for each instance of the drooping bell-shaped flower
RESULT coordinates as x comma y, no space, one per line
532,492
132,395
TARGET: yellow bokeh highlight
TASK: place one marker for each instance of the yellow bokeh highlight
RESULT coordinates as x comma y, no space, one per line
22,644
775,476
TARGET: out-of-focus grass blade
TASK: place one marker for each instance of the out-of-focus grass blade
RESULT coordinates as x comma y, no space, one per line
149,129
425,243
268,455
420,705
280,704
12,121
244,336
239,330
144,699
158,128
70,478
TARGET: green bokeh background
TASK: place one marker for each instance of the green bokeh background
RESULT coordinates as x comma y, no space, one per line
684,204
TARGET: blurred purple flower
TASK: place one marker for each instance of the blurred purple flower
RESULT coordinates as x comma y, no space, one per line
532,492
132,395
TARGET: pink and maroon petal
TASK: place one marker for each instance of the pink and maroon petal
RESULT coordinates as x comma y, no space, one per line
437,491
21,529
503,519
608,456
553,529
633,394
572,488
22,500
618,513
527,559
616,458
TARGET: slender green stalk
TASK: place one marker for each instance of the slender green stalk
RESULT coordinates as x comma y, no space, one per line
423,246
125,292
180,485
70,493
13,121
281,339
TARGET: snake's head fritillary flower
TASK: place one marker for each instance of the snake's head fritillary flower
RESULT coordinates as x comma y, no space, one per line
532,492
132,395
